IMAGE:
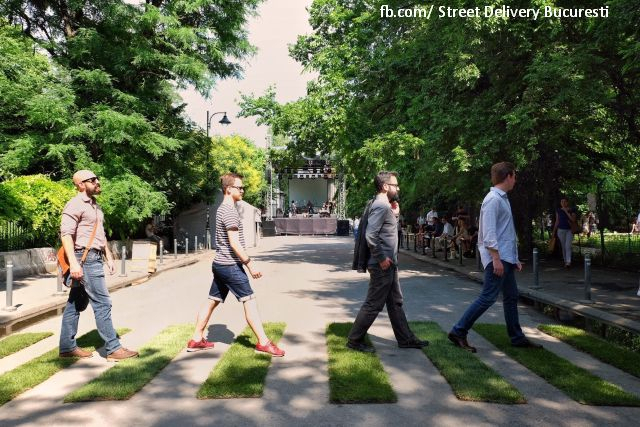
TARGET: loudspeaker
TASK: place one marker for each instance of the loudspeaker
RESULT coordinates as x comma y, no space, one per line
343,227
268,229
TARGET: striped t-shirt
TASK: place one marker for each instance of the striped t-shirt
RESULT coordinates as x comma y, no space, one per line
227,217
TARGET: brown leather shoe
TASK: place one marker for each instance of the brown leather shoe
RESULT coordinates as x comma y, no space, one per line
77,352
460,342
121,354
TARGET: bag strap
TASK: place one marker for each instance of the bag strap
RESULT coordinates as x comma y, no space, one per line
93,235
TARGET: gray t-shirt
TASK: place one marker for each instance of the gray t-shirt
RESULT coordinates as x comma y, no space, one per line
227,218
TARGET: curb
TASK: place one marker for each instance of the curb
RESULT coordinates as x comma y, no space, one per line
12,321
542,297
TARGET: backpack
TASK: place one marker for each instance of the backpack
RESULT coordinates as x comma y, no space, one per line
361,251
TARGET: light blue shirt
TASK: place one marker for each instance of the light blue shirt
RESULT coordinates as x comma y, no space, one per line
497,230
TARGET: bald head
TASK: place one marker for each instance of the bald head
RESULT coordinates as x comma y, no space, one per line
86,181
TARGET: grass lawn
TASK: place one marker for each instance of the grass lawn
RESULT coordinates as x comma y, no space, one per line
623,359
241,372
355,377
575,382
467,375
14,343
128,377
38,370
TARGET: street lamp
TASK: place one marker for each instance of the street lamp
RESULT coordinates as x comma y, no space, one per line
224,121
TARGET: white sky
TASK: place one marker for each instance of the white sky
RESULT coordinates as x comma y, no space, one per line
278,24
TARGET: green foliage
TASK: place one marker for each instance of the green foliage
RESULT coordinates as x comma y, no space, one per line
36,203
558,97
105,97
127,201
238,154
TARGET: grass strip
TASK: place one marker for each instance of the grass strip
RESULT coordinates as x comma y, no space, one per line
241,372
469,377
15,343
38,370
355,377
575,382
128,377
605,351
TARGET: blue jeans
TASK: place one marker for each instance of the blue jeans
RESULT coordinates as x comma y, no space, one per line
490,289
96,287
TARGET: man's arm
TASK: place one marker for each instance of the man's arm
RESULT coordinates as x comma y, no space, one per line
489,235
110,262
234,241
69,248
374,225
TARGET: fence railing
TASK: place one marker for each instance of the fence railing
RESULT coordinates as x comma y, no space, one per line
14,237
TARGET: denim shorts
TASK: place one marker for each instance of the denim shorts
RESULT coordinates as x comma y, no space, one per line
230,278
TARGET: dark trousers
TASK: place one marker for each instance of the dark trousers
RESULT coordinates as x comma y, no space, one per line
384,288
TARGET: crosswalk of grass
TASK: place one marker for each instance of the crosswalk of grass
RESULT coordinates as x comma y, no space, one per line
14,343
241,372
38,370
469,378
355,377
128,377
623,359
575,382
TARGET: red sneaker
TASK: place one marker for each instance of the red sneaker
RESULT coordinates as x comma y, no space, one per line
203,344
269,348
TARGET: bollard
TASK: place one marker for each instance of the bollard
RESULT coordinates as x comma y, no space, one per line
208,240
424,244
186,246
587,278
175,248
123,261
161,252
536,278
460,252
433,246
446,248
415,243
59,291
195,244
10,306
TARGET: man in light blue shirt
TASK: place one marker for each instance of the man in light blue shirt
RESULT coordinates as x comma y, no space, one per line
498,247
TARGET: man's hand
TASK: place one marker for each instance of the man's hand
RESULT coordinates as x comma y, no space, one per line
76,269
111,268
519,266
386,263
498,268
254,271
395,208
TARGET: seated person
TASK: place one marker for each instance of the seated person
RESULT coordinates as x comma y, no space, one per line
473,240
462,240
429,229
447,234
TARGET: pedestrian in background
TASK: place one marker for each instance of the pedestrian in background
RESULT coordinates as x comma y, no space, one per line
563,228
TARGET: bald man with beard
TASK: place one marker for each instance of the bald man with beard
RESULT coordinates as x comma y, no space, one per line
80,217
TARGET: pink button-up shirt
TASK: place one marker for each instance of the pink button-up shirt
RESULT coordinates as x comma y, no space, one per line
78,219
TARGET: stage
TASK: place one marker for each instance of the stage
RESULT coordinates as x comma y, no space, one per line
307,226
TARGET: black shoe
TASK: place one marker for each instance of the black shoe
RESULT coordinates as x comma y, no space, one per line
360,346
415,343
460,342
527,344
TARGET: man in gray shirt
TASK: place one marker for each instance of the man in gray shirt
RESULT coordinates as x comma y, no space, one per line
384,287
498,247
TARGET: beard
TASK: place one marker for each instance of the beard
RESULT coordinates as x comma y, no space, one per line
394,198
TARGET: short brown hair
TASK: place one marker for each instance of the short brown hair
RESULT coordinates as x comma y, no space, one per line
383,178
228,180
500,172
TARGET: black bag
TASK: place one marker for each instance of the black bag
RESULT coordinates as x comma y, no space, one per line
361,251
78,296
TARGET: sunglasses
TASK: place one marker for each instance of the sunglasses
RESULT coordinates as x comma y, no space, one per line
91,180
239,188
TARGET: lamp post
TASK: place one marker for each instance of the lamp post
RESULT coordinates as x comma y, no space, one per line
224,121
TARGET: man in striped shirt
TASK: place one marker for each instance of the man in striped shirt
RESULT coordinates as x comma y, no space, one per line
228,271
